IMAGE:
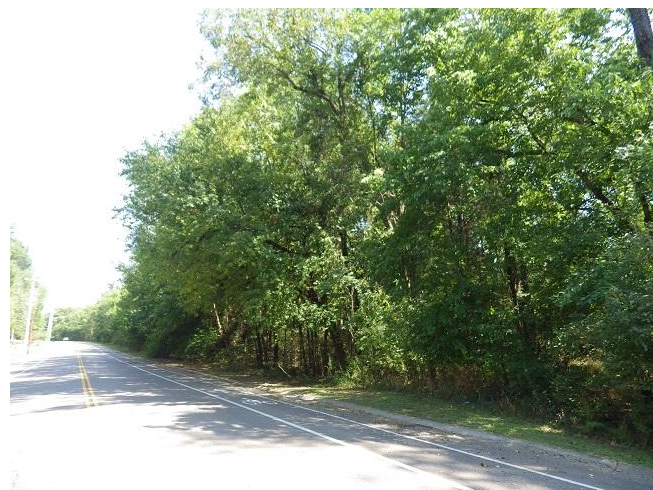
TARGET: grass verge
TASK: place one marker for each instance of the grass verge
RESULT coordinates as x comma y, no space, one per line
480,417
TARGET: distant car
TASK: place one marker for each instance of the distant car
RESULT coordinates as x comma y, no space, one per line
66,338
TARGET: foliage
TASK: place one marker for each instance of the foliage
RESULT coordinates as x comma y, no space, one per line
611,313
20,282
453,200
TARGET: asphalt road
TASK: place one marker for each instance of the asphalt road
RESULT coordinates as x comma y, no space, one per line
85,417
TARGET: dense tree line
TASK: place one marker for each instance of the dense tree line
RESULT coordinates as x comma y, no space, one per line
21,276
95,322
453,200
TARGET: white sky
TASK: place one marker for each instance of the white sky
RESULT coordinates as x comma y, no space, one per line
79,87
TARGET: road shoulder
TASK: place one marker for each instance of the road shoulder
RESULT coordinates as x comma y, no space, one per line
517,451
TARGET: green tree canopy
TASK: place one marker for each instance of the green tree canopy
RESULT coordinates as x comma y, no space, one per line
456,200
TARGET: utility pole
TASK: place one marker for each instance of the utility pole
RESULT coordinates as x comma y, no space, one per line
28,317
50,323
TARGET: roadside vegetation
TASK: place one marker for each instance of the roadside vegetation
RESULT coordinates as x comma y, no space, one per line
487,417
21,278
453,203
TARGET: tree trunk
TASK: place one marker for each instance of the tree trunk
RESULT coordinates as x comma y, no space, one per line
259,350
217,320
643,34
339,353
517,281
325,353
275,349
646,209
303,364
312,357
267,343
641,23
433,378
344,245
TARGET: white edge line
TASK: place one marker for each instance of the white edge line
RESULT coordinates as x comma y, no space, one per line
448,448
412,469
397,434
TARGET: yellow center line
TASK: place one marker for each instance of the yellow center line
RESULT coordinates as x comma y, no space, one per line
89,394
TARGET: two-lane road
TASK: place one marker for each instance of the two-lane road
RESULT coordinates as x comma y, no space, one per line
83,416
